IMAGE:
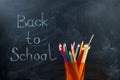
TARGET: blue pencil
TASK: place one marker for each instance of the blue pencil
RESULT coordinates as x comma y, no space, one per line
77,49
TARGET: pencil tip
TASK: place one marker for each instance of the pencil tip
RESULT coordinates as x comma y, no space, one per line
74,43
64,44
91,39
60,47
78,45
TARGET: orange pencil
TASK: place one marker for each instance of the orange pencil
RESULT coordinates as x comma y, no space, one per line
68,69
81,70
83,74
74,71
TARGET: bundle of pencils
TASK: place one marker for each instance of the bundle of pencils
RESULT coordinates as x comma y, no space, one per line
74,60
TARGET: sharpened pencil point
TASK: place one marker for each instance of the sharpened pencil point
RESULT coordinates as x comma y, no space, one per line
91,39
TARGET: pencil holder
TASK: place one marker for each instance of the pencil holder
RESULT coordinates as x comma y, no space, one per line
74,59
73,72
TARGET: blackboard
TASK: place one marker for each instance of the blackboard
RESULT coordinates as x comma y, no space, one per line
64,21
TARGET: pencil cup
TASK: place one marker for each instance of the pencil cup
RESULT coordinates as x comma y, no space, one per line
73,72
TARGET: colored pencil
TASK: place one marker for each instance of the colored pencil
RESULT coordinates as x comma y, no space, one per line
77,50
62,53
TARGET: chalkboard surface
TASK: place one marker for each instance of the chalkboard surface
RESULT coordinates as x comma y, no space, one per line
31,30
